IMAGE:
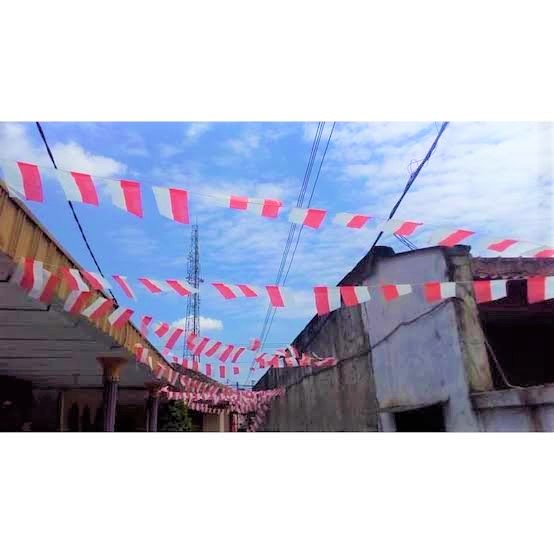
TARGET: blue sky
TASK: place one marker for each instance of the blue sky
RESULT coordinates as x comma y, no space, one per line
489,177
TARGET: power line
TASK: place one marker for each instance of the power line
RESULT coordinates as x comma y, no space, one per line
412,178
39,127
302,227
292,229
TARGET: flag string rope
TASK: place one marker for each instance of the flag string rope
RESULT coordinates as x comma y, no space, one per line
24,180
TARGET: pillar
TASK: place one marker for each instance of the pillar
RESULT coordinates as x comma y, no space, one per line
152,405
111,368
61,411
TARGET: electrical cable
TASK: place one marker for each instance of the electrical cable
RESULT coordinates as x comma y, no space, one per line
73,209
412,178
292,230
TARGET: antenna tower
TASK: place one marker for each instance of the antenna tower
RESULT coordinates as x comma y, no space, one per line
192,315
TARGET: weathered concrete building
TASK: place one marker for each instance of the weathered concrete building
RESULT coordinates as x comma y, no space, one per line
408,365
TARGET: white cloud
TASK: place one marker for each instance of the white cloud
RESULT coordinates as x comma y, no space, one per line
206,324
195,130
244,145
74,157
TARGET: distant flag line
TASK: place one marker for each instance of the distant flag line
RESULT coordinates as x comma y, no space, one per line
24,180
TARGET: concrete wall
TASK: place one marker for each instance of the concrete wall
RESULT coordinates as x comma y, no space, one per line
216,423
340,398
516,410
394,355
416,347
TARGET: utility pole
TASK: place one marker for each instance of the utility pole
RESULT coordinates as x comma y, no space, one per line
192,314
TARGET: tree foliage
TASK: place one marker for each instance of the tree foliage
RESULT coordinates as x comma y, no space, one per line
174,417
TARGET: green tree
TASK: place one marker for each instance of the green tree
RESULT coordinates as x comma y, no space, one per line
174,417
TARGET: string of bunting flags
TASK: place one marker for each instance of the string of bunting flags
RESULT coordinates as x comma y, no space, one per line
40,284
24,180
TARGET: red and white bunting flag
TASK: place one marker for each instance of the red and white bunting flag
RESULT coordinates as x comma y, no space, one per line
95,280
291,362
353,221
226,353
230,292
391,292
181,287
126,195
145,322
435,290
99,308
209,370
222,371
44,292
213,348
264,207
310,217
200,346
292,351
29,274
74,279
174,337
539,289
354,295
327,299
172,203
141,353
399,227
75,301
449,237
236,370
509,247
78,187
23,179
161,329
160,370
237,354
122,282
120,317
488,291
151,285
254,344
279,297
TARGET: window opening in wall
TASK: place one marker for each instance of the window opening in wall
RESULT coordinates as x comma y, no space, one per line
429,419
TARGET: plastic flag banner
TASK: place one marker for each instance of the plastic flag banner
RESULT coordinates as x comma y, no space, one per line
399,227
449,237
100,307
172,203
75,301
435,291
310,217
181,287
95,281
122,282
326,299
145,322
74,279
126,195
120,317
487,291
254,344
540,289
29,274
152,285
23,179
354,295
161,329
353,221
392,292
78,187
